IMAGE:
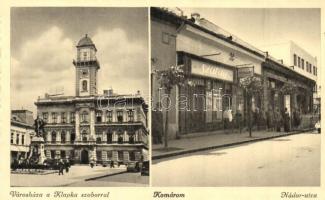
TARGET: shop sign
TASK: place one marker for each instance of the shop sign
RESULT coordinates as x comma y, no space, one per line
212,71
244,72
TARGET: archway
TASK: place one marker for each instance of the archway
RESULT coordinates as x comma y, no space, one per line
84,158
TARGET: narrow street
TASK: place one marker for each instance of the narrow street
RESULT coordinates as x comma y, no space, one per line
284,161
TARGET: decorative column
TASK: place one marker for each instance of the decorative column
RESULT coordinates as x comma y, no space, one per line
104,136
77,122
58,137
92,124
68,136
104,116
48,137
125,137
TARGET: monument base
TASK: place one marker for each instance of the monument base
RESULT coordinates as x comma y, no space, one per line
37,151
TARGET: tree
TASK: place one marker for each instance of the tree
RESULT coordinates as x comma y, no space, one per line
168,79
252,86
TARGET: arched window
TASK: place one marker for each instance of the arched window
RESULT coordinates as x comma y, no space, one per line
84,116
63,137
53,137
84,85
98,116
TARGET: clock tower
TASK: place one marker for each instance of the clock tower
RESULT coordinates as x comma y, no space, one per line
86,67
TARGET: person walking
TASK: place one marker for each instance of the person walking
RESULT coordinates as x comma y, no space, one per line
227,120
61,167
286,120
112,164
278,118
67,166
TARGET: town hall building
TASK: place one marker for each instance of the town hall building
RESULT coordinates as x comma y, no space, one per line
91,126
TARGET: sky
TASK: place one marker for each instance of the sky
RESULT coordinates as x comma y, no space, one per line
43,44
265,26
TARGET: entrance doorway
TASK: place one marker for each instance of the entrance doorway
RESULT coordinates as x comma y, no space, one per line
84,157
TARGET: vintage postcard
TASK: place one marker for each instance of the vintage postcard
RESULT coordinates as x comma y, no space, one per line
188,100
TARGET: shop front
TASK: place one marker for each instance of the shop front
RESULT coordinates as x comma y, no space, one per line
210,91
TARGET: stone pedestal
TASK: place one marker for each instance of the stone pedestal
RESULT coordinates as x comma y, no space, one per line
37,150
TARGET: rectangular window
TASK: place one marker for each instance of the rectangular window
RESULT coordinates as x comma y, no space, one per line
316,71
17,138
132,156
109,155
45,116
120,116
165,38
23,139
54,117
294,59
302,63
109,115
63,117
12,138
130,115
307,64
299,61
120,155
52,154
72,117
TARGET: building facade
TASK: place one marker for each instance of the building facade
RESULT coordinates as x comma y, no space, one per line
22,132
93,127
214,61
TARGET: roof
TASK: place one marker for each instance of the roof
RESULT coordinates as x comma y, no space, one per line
86,41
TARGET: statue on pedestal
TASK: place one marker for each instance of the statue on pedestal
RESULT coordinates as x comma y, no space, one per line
37,152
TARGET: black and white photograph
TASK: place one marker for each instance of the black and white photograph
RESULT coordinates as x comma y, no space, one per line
79,97
235,96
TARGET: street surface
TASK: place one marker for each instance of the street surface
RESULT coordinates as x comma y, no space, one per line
285,161
77,177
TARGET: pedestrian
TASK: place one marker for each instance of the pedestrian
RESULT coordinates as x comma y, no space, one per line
92,164
61,167
278,119
227,119
238,119
112,164
67,166
286,120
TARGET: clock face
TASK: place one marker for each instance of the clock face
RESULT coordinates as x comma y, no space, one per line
84,73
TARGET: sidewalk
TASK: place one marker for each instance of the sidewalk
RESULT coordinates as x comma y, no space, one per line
76,174
212,140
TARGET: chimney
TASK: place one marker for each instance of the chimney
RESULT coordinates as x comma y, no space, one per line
196,18
108,92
